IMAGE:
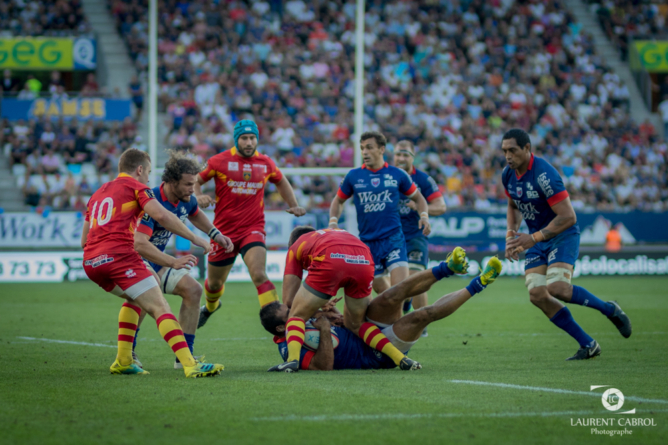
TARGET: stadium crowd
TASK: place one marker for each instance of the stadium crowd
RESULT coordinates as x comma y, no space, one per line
451,78
46,18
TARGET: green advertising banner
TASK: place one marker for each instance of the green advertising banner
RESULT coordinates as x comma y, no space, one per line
62,54
650,56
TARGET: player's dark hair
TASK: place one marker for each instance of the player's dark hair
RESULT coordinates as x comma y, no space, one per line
179,164
405,143
520,136
297,232
131,159
377,135
270,319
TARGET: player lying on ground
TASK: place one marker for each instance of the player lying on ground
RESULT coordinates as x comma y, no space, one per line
111,262
151,238
377,189
536,193
343,350
334,259
240,175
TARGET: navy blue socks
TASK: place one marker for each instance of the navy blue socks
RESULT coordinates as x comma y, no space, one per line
564,320
475,286
583,297
442,271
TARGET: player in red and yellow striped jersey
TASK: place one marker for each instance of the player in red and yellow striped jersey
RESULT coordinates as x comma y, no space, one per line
112,263
240,175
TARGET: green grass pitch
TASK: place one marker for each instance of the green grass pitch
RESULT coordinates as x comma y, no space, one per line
54,393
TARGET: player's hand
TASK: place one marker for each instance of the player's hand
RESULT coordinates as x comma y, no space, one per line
321,323
519,243
224,242
297,211
333,225
411,205
331,304
204,244
204,201
424,225
185,262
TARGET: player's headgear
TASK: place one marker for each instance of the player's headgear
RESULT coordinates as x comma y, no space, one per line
405,146
520,136
245,126
270,319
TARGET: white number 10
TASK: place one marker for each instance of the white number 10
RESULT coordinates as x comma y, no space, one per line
106,202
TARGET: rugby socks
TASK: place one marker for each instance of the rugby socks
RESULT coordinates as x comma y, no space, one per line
170,329
127,326
564,320
583,297
372,336
266,293
134,342
212,296
442,271
190,340
475,286
294,335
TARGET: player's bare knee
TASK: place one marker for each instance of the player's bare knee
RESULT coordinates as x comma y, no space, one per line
559,282
424,315
559,289
214,283
192,295
539,295
259,277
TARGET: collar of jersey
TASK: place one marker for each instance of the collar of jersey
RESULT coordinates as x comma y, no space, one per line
367,168
529,168
164,196
234,152
414,171
124,175
278,340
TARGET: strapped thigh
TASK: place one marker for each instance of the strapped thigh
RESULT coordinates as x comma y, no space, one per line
535,280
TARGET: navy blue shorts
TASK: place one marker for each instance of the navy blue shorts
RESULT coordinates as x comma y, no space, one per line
563,248
418,253
388,253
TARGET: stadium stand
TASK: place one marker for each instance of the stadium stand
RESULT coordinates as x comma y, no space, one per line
52,18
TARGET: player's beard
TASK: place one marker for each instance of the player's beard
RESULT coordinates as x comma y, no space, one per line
244,151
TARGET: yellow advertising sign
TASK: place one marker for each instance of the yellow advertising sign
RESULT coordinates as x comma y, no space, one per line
36,53
650,56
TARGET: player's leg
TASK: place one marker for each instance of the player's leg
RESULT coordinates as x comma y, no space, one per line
306,302
409,328
418,260
179,282
218,268
381,283
255,257
142,315
563,254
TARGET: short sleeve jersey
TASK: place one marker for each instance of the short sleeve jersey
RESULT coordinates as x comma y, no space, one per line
159,236
376,195
313,244
351,353
112,213
410,219
240,185
535,192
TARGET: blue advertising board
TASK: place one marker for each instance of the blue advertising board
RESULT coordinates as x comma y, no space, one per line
80,108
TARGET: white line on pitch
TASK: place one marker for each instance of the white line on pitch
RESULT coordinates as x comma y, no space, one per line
555,390
236,339
81,343
400,416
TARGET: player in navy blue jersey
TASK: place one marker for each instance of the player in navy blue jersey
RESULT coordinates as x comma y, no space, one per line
377,189
536,193
338,348
417,246
151,238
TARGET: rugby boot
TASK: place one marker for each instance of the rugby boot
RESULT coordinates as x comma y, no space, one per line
117,368
204,315
203,370
585,353
408,364
292,366
491,271
621,320
457,261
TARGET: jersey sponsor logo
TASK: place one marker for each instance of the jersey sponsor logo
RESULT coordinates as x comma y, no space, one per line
529,212
244,187
183,210
374,202
248,167
360,184
233,166
99,260
529,260
375,182
415,255
130,273
531,193
552,255
350,259
394,255
150,193
390,181
262,166
544,183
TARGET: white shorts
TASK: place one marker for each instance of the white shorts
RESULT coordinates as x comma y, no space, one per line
136,289
169,278
387,331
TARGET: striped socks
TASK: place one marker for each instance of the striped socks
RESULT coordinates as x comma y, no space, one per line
212,296
170,329
127,327
372,336
294,329
266,293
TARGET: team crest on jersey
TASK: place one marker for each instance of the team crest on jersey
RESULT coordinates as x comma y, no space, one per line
375,182
233,166
519,191
247,176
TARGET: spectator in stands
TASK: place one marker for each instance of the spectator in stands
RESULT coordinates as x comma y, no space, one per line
10,85
137,95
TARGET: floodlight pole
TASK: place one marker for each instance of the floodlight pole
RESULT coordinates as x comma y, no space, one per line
359,81
153,89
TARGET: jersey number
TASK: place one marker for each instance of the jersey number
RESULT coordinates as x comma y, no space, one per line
375,207
103,218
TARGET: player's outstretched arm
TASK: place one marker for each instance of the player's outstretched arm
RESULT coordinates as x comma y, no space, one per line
172,223
323,360
148,251
423,209
288,194
203,200
335,209
514,220
291,285
201,221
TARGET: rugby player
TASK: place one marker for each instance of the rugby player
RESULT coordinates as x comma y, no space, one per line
151,238
377,189
417,247
240,175
112,263
403,332
334,259
536,193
